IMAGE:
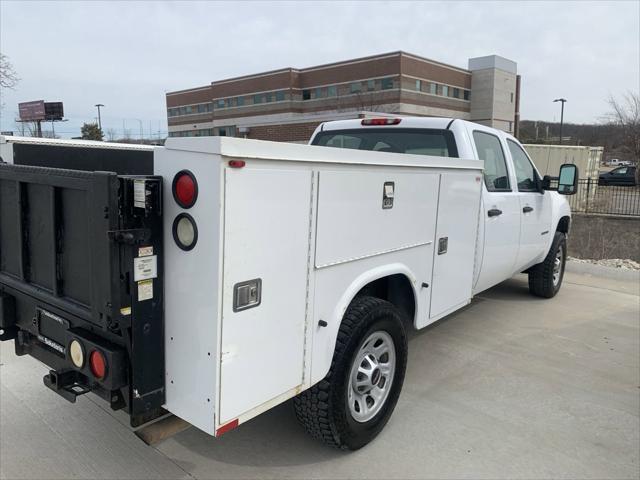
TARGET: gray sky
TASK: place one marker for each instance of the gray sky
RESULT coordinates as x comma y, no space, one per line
127,55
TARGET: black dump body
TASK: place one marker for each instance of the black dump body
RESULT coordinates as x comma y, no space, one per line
70,242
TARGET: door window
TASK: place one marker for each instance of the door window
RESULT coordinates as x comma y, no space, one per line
489,149
526,175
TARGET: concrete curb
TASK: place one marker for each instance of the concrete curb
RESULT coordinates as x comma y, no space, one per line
602,271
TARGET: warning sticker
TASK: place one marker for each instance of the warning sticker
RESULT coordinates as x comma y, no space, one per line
139,194
145,268
145,251
145,290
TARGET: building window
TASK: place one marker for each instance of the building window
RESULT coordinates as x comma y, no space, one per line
280,96
189,110
467,94
240,101
306,94
220,103
433,89
319,92
257,98
356,87
332,91
268,97
456,93
419,85
445,91
371,85
222,131
386,83
201,108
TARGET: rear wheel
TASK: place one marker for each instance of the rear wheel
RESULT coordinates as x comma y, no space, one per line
545,279
352,404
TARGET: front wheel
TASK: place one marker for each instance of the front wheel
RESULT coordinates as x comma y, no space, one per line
352,404
546,277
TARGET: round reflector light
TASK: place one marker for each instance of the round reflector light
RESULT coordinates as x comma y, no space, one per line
185,231
97,364
185,189
76,352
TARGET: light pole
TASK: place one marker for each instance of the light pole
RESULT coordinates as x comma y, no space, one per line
98,105
561,116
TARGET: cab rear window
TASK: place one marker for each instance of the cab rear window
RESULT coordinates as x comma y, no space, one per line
440,143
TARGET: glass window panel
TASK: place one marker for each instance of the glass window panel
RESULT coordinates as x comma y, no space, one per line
489,149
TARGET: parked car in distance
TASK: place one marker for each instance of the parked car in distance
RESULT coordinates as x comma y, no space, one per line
625,176
615,162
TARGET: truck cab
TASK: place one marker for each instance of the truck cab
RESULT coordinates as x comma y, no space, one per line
520,213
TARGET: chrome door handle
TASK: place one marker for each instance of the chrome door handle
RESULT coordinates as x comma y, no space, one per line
527,209
494,212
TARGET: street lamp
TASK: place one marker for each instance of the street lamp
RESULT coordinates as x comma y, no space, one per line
98,105
561,115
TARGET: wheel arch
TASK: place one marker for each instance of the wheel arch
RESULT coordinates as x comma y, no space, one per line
394,283
399,285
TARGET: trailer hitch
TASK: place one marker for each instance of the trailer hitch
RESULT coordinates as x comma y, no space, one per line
66,383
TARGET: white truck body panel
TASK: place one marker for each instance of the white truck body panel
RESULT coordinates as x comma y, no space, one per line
308,228
309,223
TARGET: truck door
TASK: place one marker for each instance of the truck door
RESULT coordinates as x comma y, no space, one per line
499,211
535,209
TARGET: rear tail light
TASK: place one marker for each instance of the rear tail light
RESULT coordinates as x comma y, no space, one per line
76,353
185,231
381,121
185,189
98,364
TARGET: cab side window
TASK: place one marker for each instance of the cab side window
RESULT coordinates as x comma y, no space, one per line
526,175
489,149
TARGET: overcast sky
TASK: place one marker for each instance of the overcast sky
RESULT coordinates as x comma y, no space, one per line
127,55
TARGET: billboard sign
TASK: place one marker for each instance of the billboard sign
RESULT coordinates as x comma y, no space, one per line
30,111
53,111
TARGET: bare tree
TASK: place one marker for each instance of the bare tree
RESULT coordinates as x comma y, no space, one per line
625,115
111,134
8,76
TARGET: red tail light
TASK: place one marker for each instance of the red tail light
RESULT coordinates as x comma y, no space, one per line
98,364
381,121
185,189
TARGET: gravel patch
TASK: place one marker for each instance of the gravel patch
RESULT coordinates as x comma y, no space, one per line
622,263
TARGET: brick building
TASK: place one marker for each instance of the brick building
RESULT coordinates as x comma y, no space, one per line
288,104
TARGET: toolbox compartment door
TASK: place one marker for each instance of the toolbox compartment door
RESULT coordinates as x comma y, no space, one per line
266,248
455,243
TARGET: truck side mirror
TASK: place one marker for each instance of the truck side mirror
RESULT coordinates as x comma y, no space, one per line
568,179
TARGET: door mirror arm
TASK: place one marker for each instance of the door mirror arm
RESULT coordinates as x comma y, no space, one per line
545,183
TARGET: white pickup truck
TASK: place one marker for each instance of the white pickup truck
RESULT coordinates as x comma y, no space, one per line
215,278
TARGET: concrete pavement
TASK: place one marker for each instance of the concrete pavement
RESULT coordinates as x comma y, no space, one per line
511,387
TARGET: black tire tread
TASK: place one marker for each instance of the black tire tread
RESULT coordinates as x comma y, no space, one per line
541,275
313,407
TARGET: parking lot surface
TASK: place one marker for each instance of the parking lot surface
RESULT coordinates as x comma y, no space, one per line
510,387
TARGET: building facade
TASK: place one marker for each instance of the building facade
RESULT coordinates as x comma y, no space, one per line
288,104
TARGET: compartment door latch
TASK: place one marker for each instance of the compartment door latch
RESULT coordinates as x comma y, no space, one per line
247,294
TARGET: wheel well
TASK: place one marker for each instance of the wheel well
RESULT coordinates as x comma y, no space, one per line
563,225
395,289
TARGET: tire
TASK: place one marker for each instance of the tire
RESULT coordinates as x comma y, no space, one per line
544,279
327,409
